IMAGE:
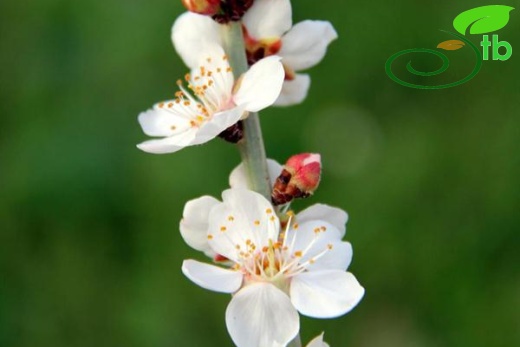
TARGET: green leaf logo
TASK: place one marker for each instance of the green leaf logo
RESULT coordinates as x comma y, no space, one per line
482,20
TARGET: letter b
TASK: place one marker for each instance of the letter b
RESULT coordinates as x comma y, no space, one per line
496,46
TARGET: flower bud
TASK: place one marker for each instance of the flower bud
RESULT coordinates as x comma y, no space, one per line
299,178
207,7
234,133
232,10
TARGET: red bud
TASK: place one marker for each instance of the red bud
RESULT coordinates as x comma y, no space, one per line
299,178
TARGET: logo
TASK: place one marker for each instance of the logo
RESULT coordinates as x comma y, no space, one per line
479,21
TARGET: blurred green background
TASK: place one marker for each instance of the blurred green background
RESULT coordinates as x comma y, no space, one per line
90,251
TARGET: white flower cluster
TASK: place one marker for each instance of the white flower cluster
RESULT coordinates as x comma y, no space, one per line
274,266
274,262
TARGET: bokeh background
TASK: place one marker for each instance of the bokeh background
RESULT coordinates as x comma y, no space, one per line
90,251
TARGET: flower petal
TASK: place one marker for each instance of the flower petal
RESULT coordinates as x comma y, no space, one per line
329,214
163,121
320,246
337,257
238,177
325,294
306,43
213,60
268,19
194,223
212,277
191,33
217,124
318,342
168,144
244,219
261,315
261,84
294,91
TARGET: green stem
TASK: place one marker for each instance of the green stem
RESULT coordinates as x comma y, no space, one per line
251,147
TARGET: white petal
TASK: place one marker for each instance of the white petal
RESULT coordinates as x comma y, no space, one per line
191,33
318,342
194,223
163,121
310,232
243,218
306,43
238,177
218,123
338,257
329,214
294,91
212,58
320,245
261,315
261,84
168,144
325,294
212,277
268,18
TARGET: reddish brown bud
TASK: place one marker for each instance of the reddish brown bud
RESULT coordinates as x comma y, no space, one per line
232,10
299,178
234,133
207,7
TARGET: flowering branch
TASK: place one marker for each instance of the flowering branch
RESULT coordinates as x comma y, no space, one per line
251,147
244,56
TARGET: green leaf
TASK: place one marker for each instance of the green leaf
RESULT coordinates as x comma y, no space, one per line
482,20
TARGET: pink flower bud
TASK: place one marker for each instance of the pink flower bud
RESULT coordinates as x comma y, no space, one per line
207,7
299,178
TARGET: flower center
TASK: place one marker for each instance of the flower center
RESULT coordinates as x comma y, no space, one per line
278,261
269,264
208,91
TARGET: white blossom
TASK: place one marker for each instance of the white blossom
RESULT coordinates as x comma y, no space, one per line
273,268
268,30
213,100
